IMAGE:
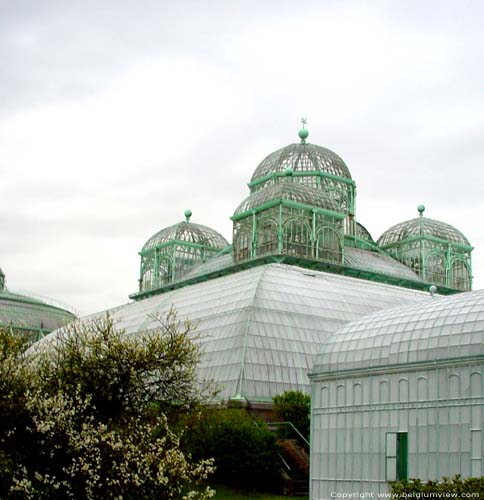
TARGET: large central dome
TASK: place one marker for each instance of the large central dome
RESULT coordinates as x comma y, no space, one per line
300,158
312,166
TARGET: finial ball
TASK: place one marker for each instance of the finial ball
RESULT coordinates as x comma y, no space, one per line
303,134
188,214
421,209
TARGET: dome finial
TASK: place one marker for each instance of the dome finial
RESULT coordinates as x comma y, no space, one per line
303,132
421,210
188,214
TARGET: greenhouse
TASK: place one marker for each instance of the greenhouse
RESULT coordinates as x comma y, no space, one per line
300,267
30,316
399,394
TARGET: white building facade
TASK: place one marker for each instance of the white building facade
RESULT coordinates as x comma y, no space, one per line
399,394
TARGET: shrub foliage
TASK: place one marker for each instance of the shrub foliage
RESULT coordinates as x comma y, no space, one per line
245,451
77,415
471,487
294,407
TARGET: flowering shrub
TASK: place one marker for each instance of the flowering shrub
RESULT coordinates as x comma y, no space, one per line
86,427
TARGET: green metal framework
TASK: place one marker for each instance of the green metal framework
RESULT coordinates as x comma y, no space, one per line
313,166
436,251
30,317
2,280
171,252
288,219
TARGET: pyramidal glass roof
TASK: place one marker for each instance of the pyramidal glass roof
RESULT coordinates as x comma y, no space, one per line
379,263
260,328
437,330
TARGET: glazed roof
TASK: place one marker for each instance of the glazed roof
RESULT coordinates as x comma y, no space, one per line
189,232
436,330
259,328
363,233
302,157
422,226
289,190
27,313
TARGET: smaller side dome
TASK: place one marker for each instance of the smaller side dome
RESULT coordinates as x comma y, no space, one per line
435,250
363,233
170,253
422,227
189,232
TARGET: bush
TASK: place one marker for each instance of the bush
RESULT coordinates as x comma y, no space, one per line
455,488
87,426
294,407
245,451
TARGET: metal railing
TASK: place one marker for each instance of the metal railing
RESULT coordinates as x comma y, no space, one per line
289,425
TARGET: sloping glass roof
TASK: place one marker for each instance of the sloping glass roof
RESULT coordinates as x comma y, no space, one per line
288,190
422,226
21,312
189,232
213,264
437,329
259,328
379,263
302,157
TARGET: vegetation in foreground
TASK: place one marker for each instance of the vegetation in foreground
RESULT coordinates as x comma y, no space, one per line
77,419
245,452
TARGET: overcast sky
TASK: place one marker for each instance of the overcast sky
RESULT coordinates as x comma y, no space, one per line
116,116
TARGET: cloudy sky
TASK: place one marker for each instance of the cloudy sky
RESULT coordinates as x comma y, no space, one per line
116,116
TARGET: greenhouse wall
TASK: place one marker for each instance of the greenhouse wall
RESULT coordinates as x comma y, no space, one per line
370,429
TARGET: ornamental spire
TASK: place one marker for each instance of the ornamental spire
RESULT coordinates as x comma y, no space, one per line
303,132
188,214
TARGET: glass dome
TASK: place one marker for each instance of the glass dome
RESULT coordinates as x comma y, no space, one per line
288,190
169,254
422,226
363,233
437,329
188,232
302,157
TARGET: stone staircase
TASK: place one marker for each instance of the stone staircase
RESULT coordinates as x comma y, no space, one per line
296,464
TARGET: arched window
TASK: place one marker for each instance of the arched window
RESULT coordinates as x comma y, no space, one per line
459,276
435,268
297,238
164,271
242,244
147,278
266,237
328,245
